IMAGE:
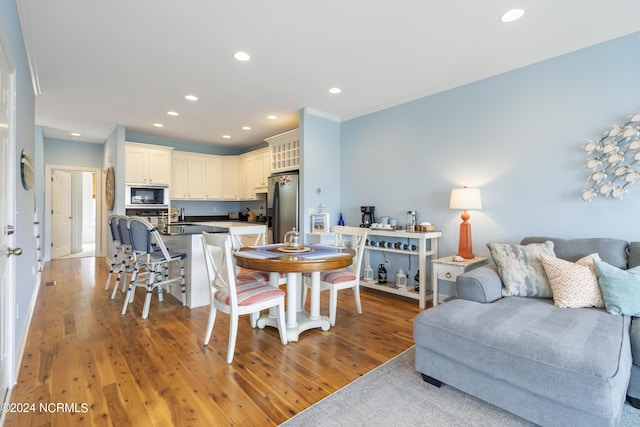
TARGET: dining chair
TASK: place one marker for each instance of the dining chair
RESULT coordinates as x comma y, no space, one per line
119,228
152,263
112,222
244,275
336,280
233,298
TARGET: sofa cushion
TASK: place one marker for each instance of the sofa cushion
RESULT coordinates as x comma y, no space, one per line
574,285
620,288
634,254
520,268
613,251
569,356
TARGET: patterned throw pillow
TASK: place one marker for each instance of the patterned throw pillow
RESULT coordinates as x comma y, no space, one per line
521,270
620,288
574,285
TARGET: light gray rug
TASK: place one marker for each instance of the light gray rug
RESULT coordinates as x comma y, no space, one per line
395,395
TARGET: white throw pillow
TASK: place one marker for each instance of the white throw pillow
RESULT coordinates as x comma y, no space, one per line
574,285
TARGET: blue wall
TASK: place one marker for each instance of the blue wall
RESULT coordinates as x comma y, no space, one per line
320,172
517,136
73,153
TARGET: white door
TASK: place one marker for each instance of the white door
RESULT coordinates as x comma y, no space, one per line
7,218
61,215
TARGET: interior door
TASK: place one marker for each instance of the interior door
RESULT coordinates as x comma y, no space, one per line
61,216
7,218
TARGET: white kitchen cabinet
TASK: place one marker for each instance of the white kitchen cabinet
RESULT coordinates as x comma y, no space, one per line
213,178
196,176
147,164
285,151
255,165
230,178
179,184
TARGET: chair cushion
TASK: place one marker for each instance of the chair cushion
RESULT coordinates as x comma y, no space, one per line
337,276
250,293
255,276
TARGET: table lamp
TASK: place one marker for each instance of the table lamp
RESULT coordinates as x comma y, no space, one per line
465,198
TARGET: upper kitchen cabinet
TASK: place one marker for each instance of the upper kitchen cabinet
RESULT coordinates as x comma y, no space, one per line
256,172
147,164
285,151
230,178
196,176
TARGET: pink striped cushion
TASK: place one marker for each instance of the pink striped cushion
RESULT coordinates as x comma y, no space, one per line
250,293
255,276
337,276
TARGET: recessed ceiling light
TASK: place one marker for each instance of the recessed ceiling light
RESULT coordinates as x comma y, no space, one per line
75,135
272,117
512,15
172,113
158,125
246,127
335,90
226,136
191,97
242,56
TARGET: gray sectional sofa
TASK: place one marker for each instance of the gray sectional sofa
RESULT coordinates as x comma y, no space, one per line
553,366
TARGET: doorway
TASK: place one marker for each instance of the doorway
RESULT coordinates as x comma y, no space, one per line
73,204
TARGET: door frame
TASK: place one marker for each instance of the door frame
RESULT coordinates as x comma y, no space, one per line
100,234
8,301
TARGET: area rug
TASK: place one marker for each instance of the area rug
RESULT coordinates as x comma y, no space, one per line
395,395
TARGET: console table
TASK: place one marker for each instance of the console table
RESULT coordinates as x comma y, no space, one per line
426,246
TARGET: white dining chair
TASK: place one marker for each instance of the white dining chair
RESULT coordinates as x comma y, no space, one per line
153,262
233,298
259,231
336,280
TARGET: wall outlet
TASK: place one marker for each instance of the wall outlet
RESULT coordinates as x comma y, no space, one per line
215,209
387,264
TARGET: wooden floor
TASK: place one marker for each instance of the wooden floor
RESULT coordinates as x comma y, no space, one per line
125,371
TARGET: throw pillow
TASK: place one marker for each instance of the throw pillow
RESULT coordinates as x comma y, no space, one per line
574,285
620,288
521,270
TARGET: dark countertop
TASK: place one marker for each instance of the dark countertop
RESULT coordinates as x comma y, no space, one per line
190,229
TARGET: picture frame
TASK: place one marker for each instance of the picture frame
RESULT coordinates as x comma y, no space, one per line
320,223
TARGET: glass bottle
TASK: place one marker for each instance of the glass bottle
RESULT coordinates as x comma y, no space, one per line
382,274
340,220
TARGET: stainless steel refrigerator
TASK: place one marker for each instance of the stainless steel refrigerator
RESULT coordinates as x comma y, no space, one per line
282,204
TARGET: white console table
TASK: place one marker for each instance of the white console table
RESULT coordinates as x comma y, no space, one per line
427,246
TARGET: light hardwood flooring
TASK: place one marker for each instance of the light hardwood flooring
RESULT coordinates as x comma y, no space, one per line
157,372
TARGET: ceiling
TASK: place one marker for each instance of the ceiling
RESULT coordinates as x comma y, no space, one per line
98,64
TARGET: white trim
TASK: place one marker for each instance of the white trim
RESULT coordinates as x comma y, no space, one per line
25,23
100,220
323,114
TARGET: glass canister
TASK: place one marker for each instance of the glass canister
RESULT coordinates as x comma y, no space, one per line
292,239
412,218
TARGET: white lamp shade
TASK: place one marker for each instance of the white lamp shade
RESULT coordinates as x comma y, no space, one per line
465,198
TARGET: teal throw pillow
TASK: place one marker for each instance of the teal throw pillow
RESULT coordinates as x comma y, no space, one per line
521,270
620,288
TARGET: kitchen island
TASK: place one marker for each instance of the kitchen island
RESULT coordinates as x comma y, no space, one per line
187,239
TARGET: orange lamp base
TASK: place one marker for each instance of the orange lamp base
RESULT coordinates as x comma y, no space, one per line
464,242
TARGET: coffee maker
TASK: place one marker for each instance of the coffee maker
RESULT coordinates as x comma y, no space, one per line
367,216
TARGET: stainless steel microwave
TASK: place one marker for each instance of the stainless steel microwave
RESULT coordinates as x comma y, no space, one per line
147,196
